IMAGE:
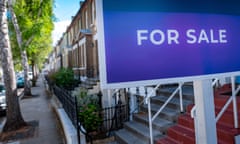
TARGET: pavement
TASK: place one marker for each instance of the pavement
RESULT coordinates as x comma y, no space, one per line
38,109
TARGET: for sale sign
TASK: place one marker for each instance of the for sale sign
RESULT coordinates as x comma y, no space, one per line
162,41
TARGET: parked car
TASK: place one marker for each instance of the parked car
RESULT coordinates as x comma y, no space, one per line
20,82
30,75
3,103
45,72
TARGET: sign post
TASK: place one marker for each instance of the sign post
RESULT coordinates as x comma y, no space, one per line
147,44
170,41
204,120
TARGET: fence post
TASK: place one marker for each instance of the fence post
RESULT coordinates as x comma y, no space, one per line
116,116
76,110
100,99
128,106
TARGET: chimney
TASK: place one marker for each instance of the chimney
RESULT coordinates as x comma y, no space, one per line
81,3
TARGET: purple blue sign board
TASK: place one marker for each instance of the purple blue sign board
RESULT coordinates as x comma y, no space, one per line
159,41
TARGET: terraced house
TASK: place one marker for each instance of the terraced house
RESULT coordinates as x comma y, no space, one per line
82,36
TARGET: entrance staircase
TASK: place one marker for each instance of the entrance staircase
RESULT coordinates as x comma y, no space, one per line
91,85
137,131
183,131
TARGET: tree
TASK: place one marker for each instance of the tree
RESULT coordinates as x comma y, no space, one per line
31,30
14,46
33,25
37,53
42,43
14,117
27,86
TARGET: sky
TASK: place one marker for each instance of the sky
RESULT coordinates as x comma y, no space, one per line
63,10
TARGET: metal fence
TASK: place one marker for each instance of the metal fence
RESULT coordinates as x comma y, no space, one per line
68,102
112,117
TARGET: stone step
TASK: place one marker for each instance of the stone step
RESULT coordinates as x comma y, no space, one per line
225,131
96,79
90,82
187,91
158,124
174,103
226,134
86,86
182,134
186,120
113,142
167,140
123,136
167,113
141,131
137,131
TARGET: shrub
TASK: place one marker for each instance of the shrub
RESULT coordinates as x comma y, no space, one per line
89,110
90,118
63,78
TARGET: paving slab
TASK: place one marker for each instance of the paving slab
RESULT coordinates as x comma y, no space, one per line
38,108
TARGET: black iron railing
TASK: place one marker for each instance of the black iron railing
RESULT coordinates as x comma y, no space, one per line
112,117
68,102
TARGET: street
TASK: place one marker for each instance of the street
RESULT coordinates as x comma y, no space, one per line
3,114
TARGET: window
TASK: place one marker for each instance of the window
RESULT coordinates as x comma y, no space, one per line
93,12
86,20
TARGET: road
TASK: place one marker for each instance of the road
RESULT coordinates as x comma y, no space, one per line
3,115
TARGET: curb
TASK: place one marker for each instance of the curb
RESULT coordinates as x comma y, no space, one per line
69,130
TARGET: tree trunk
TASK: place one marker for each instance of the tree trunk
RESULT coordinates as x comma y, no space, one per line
14,116
27,85
34,79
